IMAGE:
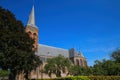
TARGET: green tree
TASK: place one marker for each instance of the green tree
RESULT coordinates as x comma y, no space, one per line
16,52
97,68
56,65
76,70
106,67
111,67
3,73
116,55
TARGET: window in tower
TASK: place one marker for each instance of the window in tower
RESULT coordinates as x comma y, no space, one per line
77,62
30,34
34,35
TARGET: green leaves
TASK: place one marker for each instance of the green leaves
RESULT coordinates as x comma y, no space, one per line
108,67
78,70
116,55
104,67
15,46
56,65
3,73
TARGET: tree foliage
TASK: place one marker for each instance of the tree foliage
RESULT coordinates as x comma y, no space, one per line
16,52
108,67
76,70
104,67
3,73
116,56
56,65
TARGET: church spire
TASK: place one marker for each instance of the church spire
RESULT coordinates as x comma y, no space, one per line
31,20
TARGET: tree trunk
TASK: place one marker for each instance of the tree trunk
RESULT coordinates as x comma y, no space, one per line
27,76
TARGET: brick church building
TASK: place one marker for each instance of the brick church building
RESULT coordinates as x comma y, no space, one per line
45,51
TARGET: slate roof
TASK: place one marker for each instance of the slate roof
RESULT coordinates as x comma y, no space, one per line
45,50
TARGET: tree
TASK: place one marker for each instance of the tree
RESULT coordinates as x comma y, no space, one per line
97,68
56,65
116,55
16,52
76,70
111,67
106,67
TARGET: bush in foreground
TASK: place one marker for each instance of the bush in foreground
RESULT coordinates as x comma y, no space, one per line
3,73
69,78
104,77
87,78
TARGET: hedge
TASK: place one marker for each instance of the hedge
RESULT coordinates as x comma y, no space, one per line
104,77
86,78
69,78
3,73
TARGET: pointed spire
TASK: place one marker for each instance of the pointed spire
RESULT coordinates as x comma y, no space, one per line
31,20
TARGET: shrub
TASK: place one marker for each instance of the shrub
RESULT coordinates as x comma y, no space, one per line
87,78
69,78
3,73
104,77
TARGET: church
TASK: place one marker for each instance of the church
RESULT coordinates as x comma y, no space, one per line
45,51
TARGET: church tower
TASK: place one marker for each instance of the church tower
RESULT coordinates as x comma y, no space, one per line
32,29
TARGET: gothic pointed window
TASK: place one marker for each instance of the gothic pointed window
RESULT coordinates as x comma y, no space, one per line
30,34
77,62
34,36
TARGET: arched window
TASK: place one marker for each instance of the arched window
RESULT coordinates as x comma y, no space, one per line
77,62
85,62
81,62
35,36
30,34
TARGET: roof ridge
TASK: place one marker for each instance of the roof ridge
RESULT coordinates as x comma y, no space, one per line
52,46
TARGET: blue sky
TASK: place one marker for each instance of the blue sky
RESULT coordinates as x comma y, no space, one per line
91,26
